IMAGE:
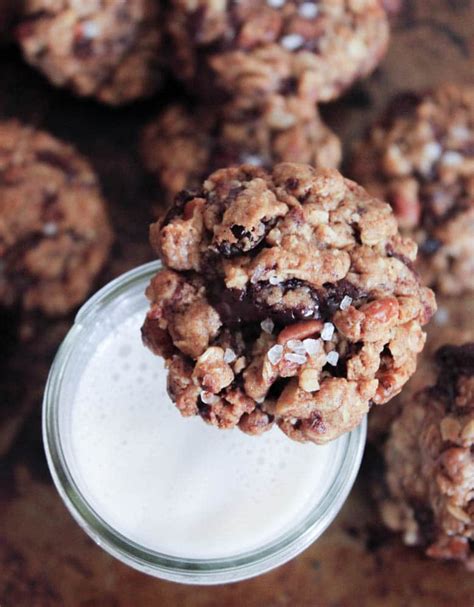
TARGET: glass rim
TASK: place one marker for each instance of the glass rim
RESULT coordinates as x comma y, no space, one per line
146,560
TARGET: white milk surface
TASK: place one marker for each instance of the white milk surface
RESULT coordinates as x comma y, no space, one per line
177,485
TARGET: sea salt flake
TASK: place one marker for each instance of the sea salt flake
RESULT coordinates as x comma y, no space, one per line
312,346
460,132
276,3
50,229
441,317
308,10
299,359
292,41
90,29
208,398
267,325
332,358
327,332
346,302
256,275
252,159
229,355
296,346
452,159
432,150
275,353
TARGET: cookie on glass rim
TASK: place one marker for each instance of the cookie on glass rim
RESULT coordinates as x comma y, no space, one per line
287,296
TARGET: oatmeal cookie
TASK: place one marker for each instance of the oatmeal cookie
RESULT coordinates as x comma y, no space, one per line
54,231
256,48
182,146
108,50
441,330
430,465
286,296
420,157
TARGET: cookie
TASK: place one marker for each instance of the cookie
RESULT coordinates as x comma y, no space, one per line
182,146
443,329
108,50
254,48
286,297
429,466
54,232
420,157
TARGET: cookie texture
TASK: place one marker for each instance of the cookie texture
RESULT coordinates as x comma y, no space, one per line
256,48
430,465
286,296
107,49
420,157
182,146
54,232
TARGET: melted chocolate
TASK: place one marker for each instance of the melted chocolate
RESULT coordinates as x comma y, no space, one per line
251,305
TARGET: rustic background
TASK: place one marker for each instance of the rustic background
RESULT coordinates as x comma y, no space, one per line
45,559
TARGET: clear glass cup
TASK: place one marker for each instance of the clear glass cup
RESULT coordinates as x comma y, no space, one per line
126,293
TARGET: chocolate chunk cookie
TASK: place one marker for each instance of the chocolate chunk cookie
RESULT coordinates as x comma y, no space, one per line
429,462
108,50
54,231
286,296
420,157
181,147
256,48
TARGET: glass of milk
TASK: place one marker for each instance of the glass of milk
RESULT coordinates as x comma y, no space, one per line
174,497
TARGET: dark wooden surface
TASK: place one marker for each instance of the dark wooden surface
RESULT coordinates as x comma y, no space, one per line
45,559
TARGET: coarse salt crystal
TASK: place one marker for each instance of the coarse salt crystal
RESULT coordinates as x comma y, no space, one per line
296,346
441,317
346,302
332,358
299,359
312,346
90,29
327,332
452,159
460,132
256,275
308,10
275,353
229,355
432,150
292,41
274,280
276,3
267,325
50,229
252,159
208,398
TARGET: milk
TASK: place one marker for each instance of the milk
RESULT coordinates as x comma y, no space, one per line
172,484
